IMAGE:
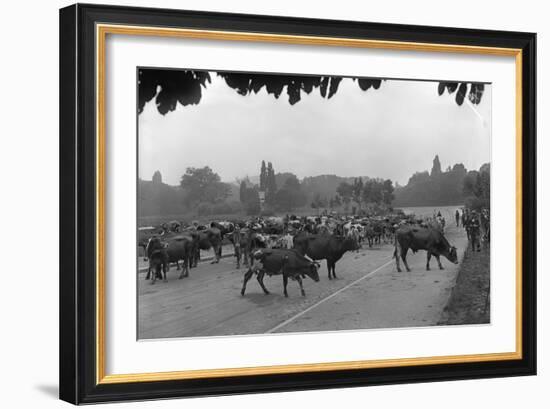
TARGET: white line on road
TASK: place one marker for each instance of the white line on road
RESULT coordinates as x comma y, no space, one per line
288,321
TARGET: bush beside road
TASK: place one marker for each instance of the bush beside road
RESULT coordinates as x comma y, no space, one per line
469,302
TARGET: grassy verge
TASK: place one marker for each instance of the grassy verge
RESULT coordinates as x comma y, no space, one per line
470,300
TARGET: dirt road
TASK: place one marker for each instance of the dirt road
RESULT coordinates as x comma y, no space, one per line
369,293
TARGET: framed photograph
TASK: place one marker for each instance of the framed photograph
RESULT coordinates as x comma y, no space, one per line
257,203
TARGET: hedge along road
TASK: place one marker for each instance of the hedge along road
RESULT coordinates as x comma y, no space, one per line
369,293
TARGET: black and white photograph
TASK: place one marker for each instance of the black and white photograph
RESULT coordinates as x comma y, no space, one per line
284,203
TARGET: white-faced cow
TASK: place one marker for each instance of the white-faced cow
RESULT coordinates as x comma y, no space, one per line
422,238
288,263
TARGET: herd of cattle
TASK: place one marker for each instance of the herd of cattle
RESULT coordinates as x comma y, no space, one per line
291,246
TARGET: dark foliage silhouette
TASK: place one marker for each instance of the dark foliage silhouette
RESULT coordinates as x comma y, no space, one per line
169,87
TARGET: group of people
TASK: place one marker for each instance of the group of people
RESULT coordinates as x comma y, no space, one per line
477,225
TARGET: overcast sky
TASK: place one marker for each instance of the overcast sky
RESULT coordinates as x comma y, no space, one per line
389,133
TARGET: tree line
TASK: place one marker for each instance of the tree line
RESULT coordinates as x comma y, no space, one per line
202,191
456,185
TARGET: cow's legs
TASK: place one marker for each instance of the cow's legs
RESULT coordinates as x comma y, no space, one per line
197,255
177,265
217,253
185,269
397,254
328,268
238,256
157,272
148,275
404,258
299,279
401,251
260,279
438,262
285,282
333,269
247,277
245,257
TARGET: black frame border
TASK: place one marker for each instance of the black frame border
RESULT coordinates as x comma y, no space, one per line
77,286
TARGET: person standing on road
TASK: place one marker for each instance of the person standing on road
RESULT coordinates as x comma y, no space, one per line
236,239
457,217
474,230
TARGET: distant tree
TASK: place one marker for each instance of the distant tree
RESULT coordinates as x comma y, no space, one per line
387,189
290,196
436,168
263,177
251,201
453,187
337,201
203,185
469,183
242,191
319,202
271,184
345,192
483,185
419,177
477,188
157,177
357,191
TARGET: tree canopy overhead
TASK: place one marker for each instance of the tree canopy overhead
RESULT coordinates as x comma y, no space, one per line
460,89
169,87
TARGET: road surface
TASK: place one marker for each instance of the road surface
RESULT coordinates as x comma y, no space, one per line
369,293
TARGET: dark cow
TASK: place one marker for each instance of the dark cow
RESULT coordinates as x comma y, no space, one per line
209,238
178,247
288,263
422,238
325,246
225,228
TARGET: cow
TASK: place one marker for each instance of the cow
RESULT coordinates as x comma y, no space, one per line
421,238
324,246
177,247
224,227
208,238
288,263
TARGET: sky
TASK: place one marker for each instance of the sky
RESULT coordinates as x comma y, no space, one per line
388,133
